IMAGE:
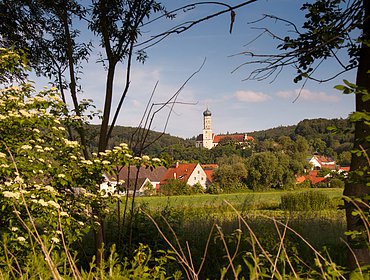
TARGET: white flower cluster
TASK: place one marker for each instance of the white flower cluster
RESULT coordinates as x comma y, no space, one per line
69,143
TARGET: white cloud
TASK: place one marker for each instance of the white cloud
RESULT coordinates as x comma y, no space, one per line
308,95
251,96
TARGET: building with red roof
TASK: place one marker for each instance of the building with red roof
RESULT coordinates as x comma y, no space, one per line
313,178
147,179
209,140
208,169
191,173
319,162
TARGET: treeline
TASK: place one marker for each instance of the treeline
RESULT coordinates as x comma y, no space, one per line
315,135
330,137
153,142
271,166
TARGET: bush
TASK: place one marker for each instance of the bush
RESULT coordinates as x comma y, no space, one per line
336,183
214,189
304,185
175,187
197,189
305,201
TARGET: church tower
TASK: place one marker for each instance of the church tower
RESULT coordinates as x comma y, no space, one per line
207,130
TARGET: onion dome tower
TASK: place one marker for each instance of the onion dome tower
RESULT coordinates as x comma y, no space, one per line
207,129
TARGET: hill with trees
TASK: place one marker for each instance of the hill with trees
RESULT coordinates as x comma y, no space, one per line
330,137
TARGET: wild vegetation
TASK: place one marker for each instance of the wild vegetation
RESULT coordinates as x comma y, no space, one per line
51,204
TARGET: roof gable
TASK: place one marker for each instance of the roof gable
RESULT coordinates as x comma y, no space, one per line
180,171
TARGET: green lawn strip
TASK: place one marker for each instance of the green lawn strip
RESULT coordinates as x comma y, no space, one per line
246,200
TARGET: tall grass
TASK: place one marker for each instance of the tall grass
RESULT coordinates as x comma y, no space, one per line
254,244
305,201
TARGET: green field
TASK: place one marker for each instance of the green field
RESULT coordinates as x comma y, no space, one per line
192,219
257,200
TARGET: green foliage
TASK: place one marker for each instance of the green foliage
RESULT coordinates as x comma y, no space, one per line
336,183
305,201
50,194
128,135
12,66
197,188
270,170
231,174
214,189
323,172
175,187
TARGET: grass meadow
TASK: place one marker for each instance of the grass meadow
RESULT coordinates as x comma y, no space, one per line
210,228
269,200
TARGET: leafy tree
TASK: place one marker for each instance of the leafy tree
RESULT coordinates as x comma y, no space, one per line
272,170
197,188
43,29
345,158
175,187
230,177
333,28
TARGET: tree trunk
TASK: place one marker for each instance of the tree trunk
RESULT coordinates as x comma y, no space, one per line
99,239
356,186
103,141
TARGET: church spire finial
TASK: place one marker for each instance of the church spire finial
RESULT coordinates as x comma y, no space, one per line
207,112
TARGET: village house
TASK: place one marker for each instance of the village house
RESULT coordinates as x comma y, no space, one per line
319,162
191,173
209,140
208,169
148,180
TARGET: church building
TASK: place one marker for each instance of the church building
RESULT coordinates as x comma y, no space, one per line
209,140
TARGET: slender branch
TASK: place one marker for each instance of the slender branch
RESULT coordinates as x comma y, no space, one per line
123,95
189,24
172,101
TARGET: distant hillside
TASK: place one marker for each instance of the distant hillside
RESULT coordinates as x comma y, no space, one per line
313,130
273,133
316,132
308,128
130,135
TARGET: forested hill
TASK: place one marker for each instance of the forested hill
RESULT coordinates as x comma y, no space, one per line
309,129
315,131
322,140
133,137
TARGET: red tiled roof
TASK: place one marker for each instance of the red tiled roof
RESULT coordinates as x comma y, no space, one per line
180,171
209,166
208,169
326,162
237,137
344,168
324,159
300,179
312,177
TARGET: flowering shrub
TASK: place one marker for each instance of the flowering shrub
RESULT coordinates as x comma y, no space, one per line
47,188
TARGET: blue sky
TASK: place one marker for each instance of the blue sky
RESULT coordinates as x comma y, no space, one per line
236,105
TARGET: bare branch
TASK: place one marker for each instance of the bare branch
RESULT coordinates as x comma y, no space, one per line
189,24
172,101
